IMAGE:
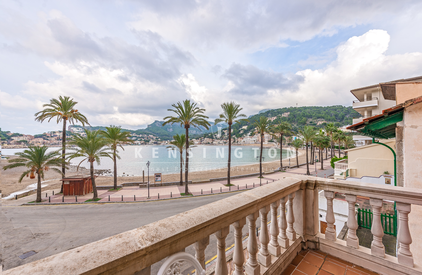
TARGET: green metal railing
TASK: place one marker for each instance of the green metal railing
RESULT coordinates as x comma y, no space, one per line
388,221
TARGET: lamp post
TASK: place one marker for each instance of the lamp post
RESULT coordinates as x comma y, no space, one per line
148,164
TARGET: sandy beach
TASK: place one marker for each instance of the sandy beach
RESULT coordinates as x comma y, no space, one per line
9,178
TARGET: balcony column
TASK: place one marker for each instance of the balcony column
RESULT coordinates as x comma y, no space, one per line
238,258
200,250
274,248
352,239
330,232
404,256
264,256
282,223
377,247
291,234
252,267
221,265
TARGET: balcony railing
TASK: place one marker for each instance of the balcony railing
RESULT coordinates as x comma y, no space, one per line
368,103
340,169
296,227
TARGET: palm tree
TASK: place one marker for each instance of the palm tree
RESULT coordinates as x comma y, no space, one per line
63,110
262,126
91,147
187,114
36,160
279,130
330,129
339,136
307,133
115,138
178,142
348,142
321,141
230,115
297,143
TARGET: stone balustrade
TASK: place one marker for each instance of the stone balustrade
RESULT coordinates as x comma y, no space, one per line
291,206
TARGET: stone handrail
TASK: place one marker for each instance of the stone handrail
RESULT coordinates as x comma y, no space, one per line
136,250
295,199
375,258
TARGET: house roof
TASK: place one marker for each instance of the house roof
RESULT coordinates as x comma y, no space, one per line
384,125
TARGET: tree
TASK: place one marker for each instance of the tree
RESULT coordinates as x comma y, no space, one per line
63,110
307,133
91,148
178,142
230,116
279,130
36,160
262,126
187,114
339,136
330,129
297,143
115,138
321,141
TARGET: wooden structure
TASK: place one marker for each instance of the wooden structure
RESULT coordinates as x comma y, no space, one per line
77,186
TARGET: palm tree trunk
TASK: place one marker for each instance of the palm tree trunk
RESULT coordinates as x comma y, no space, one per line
187,160
230,154
281,152
63,153
260,156
94,187
39,188
326,153
297,158
115,169
339,153
312,151
307,160
181,167
321,157
332,149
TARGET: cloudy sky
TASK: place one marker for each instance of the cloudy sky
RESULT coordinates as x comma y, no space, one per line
126,62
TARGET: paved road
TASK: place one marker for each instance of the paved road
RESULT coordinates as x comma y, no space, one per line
52,229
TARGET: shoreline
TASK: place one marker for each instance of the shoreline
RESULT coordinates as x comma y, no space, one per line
10,185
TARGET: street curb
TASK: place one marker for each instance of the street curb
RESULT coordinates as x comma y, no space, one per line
108,202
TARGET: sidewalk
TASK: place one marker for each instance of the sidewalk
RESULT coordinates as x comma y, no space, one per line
134,193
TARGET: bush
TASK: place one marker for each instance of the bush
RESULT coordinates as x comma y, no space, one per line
335,159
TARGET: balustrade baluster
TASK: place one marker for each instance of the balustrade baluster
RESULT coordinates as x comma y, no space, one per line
352,238
291,234
200,247
264,256
238,257
252,267
274,248
377,247
282,223
404,256
330,232
221,265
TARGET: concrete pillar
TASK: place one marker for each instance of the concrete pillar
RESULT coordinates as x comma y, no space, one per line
377,247
264,256
274,248
352,239
252,267
221,265
238,258
200,247
282,223
330,232
404,256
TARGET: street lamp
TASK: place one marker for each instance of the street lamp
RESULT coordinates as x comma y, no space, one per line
148,164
